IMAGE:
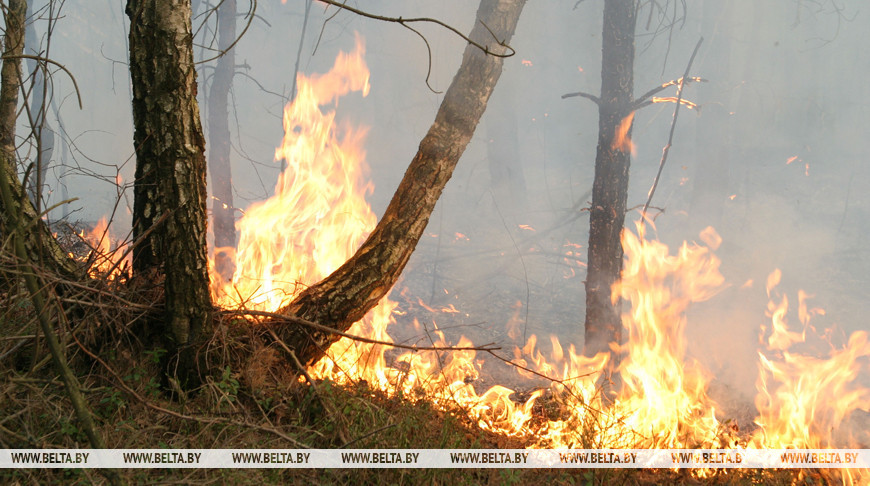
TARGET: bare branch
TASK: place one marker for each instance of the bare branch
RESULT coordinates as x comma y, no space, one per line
667,148
299,55
51,61
668,99
658,89
250,17
403,22
536,373
581,94
285,319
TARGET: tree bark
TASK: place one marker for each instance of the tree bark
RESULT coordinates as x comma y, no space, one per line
13,47
39,243
610,186
170,167
347,294
223,211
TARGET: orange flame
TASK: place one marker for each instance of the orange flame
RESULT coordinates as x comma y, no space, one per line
105,261
802,399
318,215
621,139
664,397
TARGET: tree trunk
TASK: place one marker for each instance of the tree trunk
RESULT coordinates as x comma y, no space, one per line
170,168
39,243
347,294
13,47
610,187
219,142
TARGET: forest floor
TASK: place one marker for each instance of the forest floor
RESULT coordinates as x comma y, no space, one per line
252,400
251,397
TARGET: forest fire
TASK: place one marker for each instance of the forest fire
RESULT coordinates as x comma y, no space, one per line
318,217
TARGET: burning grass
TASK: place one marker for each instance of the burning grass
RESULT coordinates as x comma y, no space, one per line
251,398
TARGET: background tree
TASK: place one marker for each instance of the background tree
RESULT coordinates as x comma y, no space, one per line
43,135
616,109
169,209
508,183
13,48
223,210
610,187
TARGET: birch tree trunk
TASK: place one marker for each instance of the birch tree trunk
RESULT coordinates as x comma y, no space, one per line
13,48
169,207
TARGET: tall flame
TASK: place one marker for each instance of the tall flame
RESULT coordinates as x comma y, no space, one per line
663,395
318,217
802,400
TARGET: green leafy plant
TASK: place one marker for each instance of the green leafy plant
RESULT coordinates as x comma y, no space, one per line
228,386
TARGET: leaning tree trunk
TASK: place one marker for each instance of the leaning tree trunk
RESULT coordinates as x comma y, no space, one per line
39,243
347,294
610,187
169,206
219,142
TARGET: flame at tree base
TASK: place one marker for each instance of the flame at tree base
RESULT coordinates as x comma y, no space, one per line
318,217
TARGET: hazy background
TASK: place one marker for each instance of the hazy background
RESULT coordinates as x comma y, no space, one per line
787,81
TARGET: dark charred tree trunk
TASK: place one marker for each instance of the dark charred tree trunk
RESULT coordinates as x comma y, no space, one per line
219,142
347,294
39,243
169,207
610,187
